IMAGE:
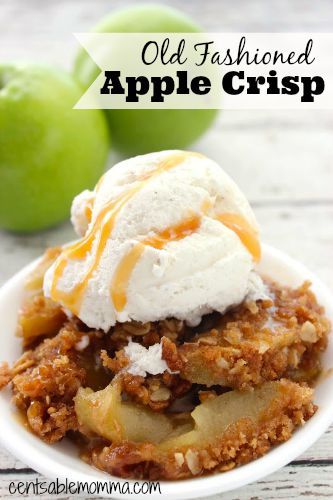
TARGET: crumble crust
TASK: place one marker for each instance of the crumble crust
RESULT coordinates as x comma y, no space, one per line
276,341
242,441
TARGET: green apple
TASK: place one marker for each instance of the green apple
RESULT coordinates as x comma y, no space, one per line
141,131
49,152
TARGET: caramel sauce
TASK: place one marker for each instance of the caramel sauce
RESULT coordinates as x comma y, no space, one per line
125,268
246,233
100,232
88,210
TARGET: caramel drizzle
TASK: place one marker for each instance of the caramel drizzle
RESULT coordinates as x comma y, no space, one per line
88,210
99,233
245,232
125,268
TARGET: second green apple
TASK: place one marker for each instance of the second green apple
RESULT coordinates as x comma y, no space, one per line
138,131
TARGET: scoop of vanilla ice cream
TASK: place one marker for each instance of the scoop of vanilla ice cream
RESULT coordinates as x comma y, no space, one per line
208,269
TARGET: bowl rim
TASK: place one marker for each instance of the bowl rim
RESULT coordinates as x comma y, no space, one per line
31,452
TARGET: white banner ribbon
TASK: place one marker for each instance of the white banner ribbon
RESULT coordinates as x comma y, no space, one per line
210,70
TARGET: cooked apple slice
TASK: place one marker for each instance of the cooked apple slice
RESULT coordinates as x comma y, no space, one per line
231,429
39,317
104,413
214,416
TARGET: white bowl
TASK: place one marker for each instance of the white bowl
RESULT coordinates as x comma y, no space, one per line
62,460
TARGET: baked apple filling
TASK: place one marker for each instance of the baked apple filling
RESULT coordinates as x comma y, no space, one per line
234,385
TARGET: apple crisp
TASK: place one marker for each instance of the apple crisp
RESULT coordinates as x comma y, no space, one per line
234,386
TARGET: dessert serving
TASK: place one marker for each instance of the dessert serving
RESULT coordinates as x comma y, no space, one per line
152,342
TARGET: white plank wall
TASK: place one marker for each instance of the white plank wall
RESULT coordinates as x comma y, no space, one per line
282,160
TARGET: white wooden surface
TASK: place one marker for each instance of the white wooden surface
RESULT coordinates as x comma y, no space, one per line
282,160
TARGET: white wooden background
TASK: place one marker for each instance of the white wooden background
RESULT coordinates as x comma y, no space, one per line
282,160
